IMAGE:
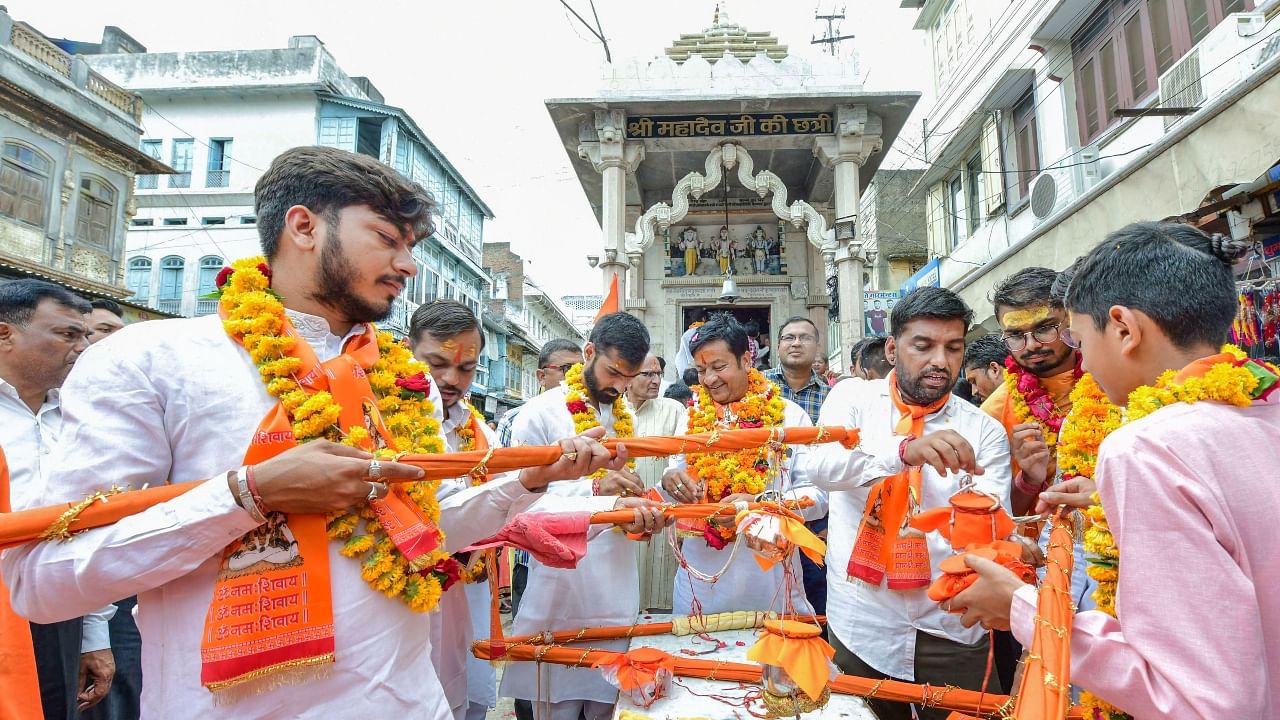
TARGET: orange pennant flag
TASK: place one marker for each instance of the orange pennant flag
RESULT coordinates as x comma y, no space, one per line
611,302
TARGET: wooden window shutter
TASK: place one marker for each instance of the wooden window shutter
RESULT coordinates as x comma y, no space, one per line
993,185
935,217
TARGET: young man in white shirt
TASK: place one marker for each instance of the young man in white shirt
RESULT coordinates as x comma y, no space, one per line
604,588
447,337
42,333
917,440
181,400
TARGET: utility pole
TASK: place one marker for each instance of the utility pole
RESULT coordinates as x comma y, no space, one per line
832,36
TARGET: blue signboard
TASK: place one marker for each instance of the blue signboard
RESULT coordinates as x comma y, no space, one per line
928,276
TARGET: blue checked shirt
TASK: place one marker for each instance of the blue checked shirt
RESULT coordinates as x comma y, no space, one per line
809,397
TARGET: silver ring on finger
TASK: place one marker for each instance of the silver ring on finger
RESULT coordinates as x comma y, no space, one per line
373,492
375,469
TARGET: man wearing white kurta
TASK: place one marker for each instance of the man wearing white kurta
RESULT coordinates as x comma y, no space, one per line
878,631
178,400
604,588
447,337
722,357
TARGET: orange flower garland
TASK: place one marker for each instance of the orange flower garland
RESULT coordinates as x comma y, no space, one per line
741,471
584,415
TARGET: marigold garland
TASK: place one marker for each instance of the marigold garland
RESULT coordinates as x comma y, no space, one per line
255,315
467,442
1031,402
584,415
1092,418
741,471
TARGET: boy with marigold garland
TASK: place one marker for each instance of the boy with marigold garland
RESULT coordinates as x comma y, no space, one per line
1187,486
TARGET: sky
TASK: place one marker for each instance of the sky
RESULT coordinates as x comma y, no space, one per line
474,75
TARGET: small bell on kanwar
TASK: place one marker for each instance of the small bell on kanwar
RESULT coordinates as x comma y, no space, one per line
797,667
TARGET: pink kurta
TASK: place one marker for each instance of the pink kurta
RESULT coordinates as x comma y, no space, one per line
1192,494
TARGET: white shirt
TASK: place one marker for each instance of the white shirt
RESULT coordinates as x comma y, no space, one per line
603,590
464,609
684,357
29,442
744,586
879,625
174,401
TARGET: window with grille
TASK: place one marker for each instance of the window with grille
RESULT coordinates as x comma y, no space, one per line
24,183
218,174
210,266
150,148
169,298
182,157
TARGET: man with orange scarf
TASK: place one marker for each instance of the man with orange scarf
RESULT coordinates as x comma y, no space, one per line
1032,402
918,442
263,592
1187,485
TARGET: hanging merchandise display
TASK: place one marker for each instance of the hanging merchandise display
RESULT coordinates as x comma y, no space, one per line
1256,329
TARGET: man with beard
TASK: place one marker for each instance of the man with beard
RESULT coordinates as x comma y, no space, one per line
1035,397
447,337
918,441
42,333
732,394
604,588
183,400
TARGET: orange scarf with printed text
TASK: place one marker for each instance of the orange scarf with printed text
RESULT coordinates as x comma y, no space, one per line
272,608
886,546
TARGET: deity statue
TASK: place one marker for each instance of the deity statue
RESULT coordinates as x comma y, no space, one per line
689,246
760,250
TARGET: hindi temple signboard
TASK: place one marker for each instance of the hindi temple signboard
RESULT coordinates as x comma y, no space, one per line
729,125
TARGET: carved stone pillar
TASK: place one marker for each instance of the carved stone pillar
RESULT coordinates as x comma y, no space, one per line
857,136
604,144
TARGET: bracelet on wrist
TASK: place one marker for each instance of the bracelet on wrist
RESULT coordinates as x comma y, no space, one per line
902,449
253,489
1020,482
245,496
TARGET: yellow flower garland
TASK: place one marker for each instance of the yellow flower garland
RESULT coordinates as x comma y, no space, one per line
739,471
1092,418
256,317
584,414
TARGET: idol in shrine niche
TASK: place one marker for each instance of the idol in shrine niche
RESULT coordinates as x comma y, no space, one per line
688,250
759,250
724,249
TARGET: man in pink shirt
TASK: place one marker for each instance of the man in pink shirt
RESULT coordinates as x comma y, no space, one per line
1189,491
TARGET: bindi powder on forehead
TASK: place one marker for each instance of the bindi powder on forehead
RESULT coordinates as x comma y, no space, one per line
1025,317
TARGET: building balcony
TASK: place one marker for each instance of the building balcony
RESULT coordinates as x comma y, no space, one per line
173,306
28,41
206,306
181,180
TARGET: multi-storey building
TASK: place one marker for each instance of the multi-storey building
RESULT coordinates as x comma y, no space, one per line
530,318
220,117
68,156
1060,121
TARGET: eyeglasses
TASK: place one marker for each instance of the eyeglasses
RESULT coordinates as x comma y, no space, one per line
1043,335
1069,339
562,369
802,339
651,374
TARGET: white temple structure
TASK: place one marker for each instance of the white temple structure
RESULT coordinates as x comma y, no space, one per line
726,175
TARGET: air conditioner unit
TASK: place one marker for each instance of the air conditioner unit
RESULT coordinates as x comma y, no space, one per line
1216,63
1059,186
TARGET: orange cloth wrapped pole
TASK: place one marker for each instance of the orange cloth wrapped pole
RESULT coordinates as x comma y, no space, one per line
26,526
1045,691
947,698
